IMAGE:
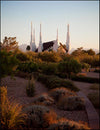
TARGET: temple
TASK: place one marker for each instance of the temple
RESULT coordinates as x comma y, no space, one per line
54,45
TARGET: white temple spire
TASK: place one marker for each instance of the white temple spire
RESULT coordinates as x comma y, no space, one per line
34,36
40,48
57,34
40,35
68,39
31,32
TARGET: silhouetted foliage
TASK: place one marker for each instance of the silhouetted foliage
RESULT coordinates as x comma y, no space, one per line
28,48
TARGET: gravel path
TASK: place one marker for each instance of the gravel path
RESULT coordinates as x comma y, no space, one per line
17,90
93,75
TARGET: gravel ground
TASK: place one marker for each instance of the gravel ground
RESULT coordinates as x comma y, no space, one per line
16,91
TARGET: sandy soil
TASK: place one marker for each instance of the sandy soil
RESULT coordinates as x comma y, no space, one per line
16,90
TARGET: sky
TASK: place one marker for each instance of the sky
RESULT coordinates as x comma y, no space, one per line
82,17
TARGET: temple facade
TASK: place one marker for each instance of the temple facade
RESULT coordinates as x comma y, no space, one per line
53,45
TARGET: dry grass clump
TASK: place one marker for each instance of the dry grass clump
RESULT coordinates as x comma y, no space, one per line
30,88
94,87
35,116
11,112
57,93
71,103
57,123
45,99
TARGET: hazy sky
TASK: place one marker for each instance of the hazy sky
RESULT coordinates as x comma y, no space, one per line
82,16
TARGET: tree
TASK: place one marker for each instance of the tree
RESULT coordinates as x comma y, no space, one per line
28,48
9,44
78,52
91,52
69,66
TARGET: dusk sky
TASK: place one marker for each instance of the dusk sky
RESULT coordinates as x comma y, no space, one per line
82,16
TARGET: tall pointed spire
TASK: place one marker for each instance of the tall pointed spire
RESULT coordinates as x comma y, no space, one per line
57,34
31,38
40,35
40,48
68,39
34,36
31,32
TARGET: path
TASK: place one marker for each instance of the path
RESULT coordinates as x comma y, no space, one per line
84,87
93,117
93,75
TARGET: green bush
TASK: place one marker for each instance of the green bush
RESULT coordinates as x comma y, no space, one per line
55,82
7,63
48,68
85,79
22,56
69,66
28,67
49,56
91,60
30,88
71,103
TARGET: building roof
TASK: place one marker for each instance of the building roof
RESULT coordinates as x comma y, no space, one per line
46,45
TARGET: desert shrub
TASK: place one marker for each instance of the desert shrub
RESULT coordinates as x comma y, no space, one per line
65,124
49,56
10,112
48,68
28,67
32,56
55,82
71,103
30,88
85,79
91,60
22,56
59,92
7,63
69,66
45,99
94,98
94,87
85,66
35,115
